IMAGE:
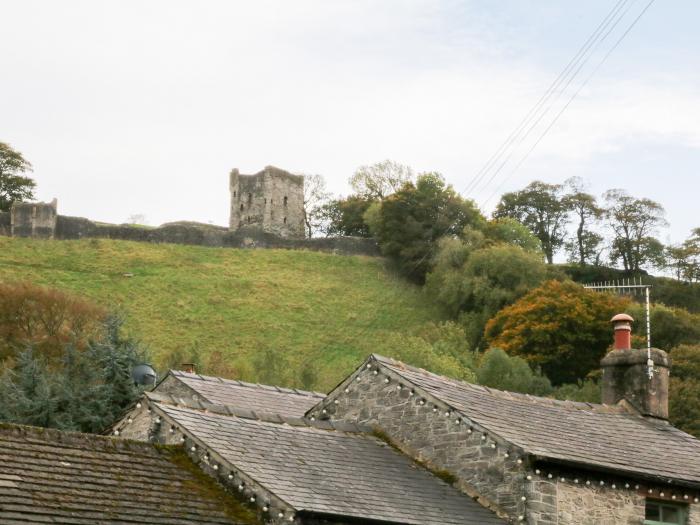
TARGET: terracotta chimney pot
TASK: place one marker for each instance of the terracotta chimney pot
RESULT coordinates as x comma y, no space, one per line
623,331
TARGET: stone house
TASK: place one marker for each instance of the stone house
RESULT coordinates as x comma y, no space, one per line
524,459
394,444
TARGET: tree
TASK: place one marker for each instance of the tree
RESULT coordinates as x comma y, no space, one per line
500,370
586,247
380,180
138,219
540,207
438,348
85,390
408,224
684,391
684,259
474,284
45,318
560,326
315,195
345,217
671,327
509,231
634,222
14,184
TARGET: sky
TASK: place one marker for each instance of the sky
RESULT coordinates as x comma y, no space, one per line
143,107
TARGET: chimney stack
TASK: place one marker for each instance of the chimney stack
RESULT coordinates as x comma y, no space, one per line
626,373
188,367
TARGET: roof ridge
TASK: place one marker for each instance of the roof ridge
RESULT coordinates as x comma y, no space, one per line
71,438
505,394
237,382
266,417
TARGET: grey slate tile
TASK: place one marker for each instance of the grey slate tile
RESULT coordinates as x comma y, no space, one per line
331,471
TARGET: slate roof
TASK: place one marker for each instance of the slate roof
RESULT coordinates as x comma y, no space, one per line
322,471
49,476
249,396
585,434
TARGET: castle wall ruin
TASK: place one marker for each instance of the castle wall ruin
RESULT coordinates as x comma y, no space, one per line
34,219
271,201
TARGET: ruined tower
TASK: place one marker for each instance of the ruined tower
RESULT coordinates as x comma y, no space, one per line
271,200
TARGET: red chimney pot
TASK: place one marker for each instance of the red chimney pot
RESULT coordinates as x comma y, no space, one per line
623,331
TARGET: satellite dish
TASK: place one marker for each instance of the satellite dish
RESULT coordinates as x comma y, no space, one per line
144,375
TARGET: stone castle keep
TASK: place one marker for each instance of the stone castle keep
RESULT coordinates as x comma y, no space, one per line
271,200
267,211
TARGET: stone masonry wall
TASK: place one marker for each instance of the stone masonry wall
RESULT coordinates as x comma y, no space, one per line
5,223
567,503
208,235
272,201
595,505
483,466
33,219
429,434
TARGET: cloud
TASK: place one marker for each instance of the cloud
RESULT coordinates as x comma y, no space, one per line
133,107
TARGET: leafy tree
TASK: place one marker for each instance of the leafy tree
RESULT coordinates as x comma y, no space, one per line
509,231
345,217
684,392
585,248
560,326
45,318
14,184
315,196
633,222
684,259
500,370
587,391
380,180
137,219
433,348
474,284
408,224
540,207
670,326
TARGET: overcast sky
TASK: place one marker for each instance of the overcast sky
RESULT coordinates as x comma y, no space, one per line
129,107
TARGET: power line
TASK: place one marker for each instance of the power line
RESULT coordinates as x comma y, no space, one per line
547,94
568,83
573,97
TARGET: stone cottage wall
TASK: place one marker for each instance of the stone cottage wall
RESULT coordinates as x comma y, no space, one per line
481,464
431,434
556,502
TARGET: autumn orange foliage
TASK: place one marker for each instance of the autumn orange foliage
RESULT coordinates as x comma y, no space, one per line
45,318
560,327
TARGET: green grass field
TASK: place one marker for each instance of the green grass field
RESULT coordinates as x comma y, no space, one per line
239,303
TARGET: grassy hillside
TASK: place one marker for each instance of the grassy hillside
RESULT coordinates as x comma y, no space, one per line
239,303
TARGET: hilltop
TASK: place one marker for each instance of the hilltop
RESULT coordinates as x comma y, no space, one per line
182,300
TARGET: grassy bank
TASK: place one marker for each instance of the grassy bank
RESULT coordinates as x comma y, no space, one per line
232,302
